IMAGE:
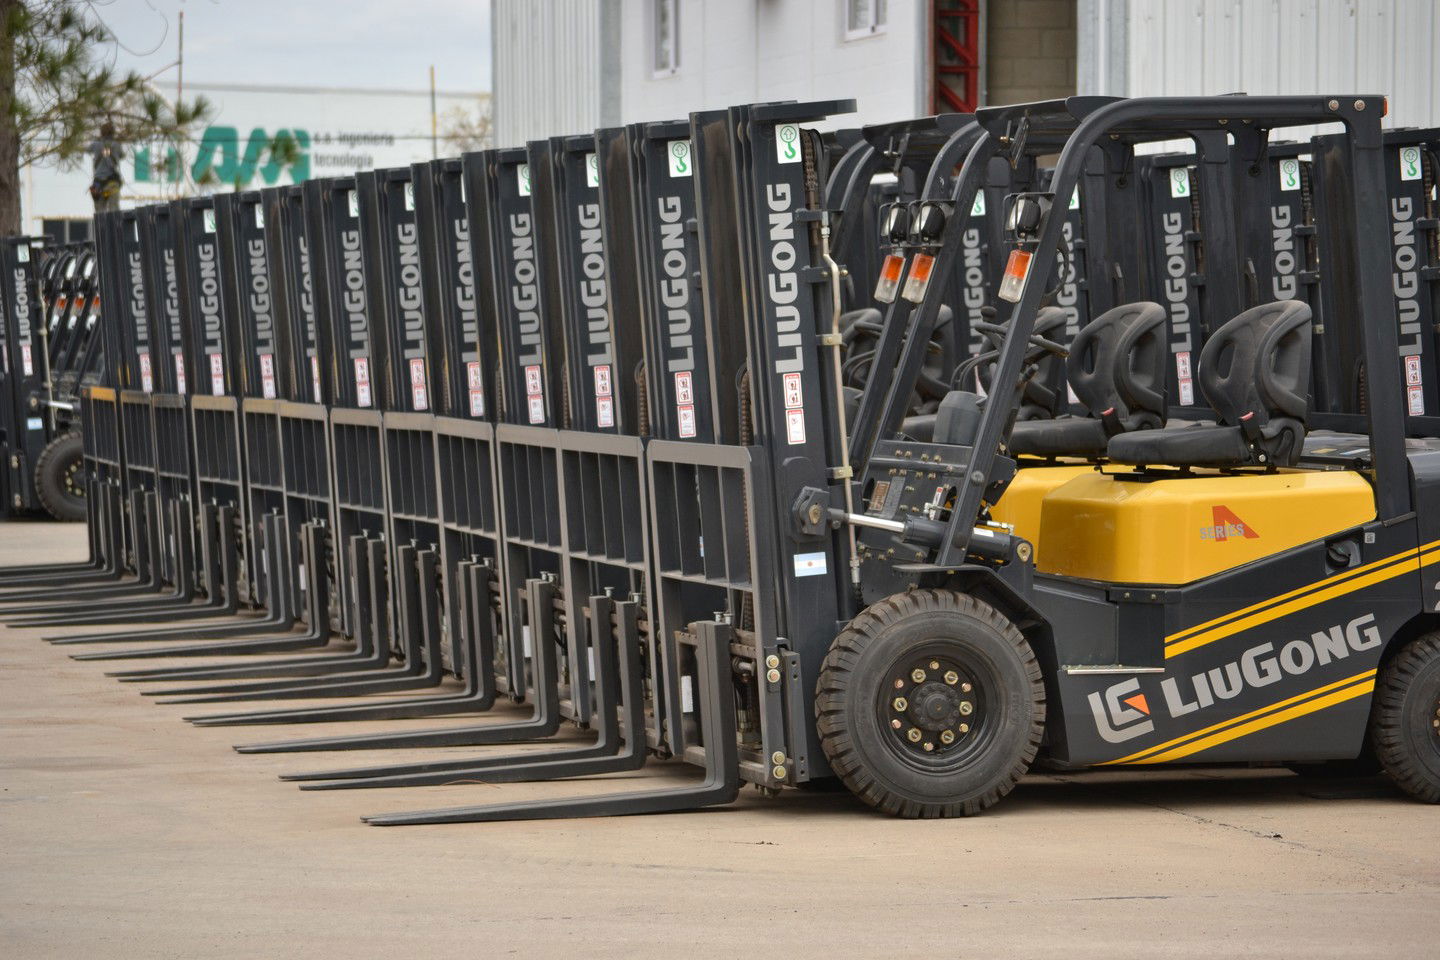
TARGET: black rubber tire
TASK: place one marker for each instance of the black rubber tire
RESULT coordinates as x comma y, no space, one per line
54,478
857,668
1403,730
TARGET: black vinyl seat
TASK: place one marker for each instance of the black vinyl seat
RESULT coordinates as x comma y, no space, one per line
1255,373
1117,369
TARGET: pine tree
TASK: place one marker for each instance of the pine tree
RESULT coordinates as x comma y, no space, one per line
57,88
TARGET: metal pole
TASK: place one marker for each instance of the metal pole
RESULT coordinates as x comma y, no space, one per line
434,122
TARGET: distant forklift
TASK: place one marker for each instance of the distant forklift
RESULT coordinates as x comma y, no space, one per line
51,347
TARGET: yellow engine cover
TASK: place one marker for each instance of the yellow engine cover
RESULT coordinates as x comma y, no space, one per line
1020,504
1183,529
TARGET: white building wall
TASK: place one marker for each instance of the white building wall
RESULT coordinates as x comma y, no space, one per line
1194,47
744,51
548,61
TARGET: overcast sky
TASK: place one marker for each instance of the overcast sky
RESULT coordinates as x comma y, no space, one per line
344,43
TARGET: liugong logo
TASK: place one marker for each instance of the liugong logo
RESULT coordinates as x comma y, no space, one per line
1122,711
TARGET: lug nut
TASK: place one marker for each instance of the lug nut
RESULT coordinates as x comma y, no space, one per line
951,677
964,728
914,735
947,737
779,773
900,704
773,676
772,661
778,757
966,708
934,664
965,688
896,724
929,746
917,675
899,684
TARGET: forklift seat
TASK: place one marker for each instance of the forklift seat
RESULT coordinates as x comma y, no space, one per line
1117,369
1255,372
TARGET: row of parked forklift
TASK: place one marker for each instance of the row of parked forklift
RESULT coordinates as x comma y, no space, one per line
1085,432
50,349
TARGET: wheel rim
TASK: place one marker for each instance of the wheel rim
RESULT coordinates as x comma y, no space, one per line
69,481
936,710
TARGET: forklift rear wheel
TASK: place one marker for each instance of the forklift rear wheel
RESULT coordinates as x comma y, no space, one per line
59,478
930,704
1405,721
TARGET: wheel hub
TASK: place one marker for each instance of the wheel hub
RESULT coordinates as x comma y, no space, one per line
933,706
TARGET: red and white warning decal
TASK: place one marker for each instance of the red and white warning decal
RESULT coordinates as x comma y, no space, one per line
794,409
604,399
26,362
267,375
419,395
477,388
1184,378
315,377
1414,387
794,426
534,392
179,373
147,381
217,374
685,404
362,381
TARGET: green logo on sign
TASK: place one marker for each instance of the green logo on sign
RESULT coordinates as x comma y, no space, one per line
522,174
1289,174
592,169
679,158
1410,163
786,146
1180,182
223,157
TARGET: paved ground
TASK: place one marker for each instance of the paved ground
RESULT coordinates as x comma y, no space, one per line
125,832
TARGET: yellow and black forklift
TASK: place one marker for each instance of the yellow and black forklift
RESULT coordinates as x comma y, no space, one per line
1252,585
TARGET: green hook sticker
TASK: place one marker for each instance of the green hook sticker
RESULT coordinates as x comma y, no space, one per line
1290,174
680,158
1410,163
522,174
1180,182
592,169
787,143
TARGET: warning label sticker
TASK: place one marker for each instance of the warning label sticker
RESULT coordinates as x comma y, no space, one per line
362,382
794,409
217,374
534,392
147,382
179,373
1184,379
685,413
267,375
419,395
476,384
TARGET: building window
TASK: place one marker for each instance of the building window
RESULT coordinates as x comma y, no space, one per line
667,37
864,18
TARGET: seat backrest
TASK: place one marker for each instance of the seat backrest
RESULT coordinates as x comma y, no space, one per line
1117,362
1259,363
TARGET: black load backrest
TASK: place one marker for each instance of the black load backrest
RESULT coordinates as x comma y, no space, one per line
1259,363
1117,362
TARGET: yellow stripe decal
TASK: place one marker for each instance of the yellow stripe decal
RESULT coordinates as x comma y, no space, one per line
1246,723
1287,603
